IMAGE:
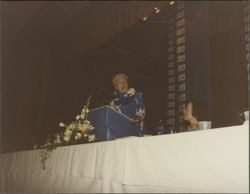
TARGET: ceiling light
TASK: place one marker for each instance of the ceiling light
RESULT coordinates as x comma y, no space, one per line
171,2
157,11
145,18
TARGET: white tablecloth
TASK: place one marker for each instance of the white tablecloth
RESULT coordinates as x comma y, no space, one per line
215,160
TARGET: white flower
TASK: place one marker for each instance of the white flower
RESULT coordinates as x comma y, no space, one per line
91,138
131,92
87,122
91,127
78,136
66,138
83,127
85,110
72,126
67,134
61,124
76,129
78,117
82,115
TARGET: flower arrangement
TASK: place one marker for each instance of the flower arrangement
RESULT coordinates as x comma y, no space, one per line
78,131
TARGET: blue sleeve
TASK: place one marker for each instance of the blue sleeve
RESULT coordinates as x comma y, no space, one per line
140,111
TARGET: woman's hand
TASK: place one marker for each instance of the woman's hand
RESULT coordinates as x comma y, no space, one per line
188,116
135,119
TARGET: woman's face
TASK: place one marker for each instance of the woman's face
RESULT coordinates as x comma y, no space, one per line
121,85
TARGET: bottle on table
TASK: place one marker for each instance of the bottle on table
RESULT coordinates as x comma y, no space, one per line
160,128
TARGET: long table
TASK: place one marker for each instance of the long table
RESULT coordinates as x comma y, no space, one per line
207,161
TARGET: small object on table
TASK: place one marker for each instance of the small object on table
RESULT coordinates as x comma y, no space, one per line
160,129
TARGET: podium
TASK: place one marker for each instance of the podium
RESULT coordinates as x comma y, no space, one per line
109,124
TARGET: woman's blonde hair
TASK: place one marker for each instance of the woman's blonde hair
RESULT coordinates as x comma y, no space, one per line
116,77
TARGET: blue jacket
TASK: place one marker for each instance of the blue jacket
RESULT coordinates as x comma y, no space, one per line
131,104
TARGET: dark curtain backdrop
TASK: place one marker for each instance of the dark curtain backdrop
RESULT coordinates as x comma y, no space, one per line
54,54
45,76
198,62
228,61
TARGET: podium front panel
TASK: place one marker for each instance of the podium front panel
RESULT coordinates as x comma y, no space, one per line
109,124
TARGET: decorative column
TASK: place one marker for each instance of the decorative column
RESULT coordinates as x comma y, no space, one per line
245,6
188,63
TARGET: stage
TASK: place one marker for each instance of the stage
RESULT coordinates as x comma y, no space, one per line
208,161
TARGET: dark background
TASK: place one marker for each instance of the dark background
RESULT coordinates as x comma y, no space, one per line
54,54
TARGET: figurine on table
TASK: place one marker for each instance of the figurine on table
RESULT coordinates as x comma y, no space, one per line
189,116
